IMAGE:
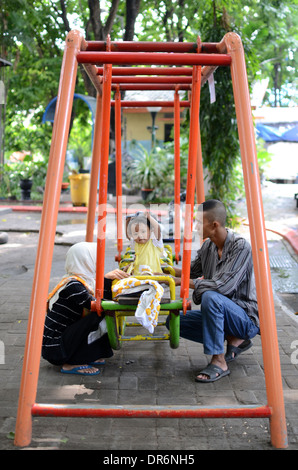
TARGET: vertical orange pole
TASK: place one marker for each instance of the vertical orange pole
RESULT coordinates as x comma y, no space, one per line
199,173
118,173
44,255
199,169
94,170
191,179
177,188
258,241
103,184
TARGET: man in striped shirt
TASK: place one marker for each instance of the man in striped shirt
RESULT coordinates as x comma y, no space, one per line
222,280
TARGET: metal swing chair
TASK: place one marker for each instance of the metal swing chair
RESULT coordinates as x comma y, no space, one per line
128,78
229,53
116,312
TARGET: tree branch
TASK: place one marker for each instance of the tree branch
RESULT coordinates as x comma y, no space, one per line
95,19
110,20
63,14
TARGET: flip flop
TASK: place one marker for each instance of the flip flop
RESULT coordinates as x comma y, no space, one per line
214,373
98,363
76,370
234,351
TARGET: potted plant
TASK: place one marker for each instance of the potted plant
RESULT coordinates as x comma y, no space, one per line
64,186
9,185
24,171
145,170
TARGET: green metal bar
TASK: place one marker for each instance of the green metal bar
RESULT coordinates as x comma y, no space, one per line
145,337
110,305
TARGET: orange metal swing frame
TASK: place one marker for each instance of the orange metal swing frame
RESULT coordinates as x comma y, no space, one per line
228,53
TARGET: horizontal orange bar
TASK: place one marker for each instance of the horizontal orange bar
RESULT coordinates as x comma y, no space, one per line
148,86
148,71
78,411
147,46
145,104
152,58
176,80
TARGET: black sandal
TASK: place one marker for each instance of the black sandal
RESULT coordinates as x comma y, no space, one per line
234,351
214,373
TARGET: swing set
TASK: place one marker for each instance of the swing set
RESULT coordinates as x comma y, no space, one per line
177,66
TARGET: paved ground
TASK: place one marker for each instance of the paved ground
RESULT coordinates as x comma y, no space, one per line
145,373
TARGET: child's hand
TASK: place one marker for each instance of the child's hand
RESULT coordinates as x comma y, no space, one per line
125,268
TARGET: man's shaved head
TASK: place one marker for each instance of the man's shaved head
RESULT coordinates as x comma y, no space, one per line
215,211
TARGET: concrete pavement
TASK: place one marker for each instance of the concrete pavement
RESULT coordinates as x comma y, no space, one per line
146,373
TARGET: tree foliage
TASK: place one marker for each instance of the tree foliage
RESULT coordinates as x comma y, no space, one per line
33,33
220,144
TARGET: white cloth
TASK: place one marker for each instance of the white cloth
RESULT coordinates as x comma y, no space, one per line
80,261
148,307
101,330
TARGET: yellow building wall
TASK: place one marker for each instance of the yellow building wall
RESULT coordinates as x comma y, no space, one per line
136,126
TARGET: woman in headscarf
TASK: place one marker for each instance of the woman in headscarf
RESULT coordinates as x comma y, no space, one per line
77,342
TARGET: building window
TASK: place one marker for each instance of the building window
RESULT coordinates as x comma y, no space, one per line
168,130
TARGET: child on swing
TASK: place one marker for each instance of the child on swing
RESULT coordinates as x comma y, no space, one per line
145,235
146,241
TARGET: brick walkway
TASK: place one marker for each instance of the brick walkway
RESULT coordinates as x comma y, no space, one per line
143,373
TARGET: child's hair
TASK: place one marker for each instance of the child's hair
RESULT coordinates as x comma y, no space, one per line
137,218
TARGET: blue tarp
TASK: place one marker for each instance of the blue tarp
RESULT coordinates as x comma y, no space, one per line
291,135
49,113
272,134
268,133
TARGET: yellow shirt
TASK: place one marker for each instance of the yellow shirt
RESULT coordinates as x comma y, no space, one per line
147,254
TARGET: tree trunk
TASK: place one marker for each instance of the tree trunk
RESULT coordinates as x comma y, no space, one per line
132,11
96,30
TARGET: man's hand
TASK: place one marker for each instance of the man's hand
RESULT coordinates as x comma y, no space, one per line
177,280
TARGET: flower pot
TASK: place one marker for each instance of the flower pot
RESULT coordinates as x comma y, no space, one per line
146,193
26,186
64,186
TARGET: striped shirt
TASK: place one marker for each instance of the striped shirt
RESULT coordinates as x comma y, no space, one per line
231,275
68,309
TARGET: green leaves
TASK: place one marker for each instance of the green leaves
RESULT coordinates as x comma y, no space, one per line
146,168
33,32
